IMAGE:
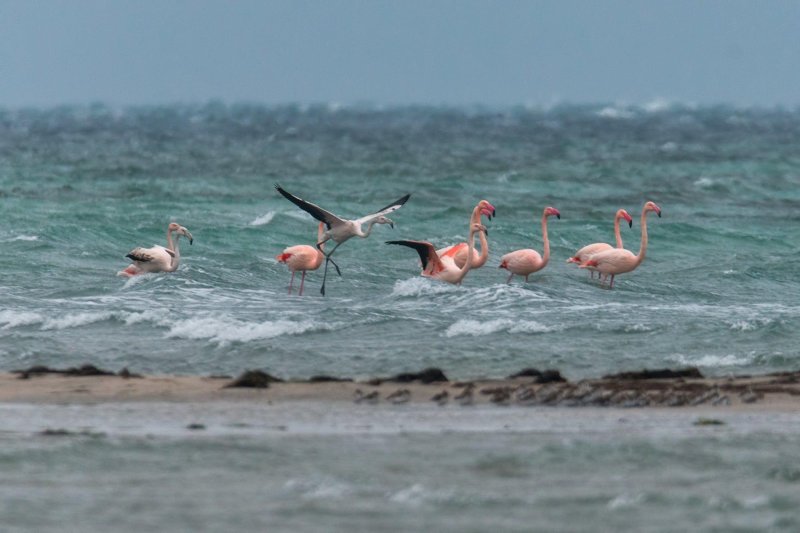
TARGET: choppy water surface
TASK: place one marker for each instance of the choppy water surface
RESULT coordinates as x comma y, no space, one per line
79,187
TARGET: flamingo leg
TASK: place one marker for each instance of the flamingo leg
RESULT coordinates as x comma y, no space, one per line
328,260
509,278
302,280
526,278
611,286
291,283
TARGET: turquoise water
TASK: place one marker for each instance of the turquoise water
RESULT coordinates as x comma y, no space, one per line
81,186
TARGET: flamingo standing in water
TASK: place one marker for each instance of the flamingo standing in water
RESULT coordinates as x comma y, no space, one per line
303,257
590,249
619,260
443,268
340,229
526,262
158,258
483,208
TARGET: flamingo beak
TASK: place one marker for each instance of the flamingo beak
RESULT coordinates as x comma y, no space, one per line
658,213
630,223
185,232
558,216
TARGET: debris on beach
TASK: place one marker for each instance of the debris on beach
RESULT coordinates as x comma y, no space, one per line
255,379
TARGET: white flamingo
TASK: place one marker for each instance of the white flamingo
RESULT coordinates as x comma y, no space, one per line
158,258
339,229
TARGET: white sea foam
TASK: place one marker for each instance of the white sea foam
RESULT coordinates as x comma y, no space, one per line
419,286
75,320
13,319
615,113
657,105
223,331
625,500
264,219
712,360
26,238
477,328
750,325
704,182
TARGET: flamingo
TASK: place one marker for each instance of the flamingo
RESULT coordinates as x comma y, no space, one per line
526,262
619,260
443,268
157,258
590,249
483,208
340,229
303,257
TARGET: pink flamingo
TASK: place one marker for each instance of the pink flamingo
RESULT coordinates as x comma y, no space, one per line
526,262
304,258
443,268
619,260
590,249
483,208
157,258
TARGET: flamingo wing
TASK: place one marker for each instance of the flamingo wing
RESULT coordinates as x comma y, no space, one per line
392,207
147,255
426,251
329,219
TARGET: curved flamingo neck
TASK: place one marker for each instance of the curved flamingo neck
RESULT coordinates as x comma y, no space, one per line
476,219
365,234
617,234
643,246
470,250
320,237
546,256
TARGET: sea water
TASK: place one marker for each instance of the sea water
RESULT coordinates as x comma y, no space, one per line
81,186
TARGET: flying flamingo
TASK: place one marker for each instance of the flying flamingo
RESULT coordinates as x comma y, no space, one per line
303,257
157,258
443,268
619,260
340,229
590,249
526,262
483,208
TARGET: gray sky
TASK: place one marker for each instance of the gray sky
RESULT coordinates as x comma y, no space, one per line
409,51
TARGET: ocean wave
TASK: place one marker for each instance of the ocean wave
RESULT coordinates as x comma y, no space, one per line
225,331
13,319
712,360
75,320
263,220
477,328
615,113
419,286
25,238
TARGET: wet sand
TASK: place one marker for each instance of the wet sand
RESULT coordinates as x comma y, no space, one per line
780,391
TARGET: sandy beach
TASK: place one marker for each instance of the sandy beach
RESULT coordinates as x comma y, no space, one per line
665,388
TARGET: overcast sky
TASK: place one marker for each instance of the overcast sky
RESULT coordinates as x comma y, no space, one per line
405,51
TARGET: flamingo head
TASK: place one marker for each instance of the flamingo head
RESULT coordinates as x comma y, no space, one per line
651,206
624,214
552,212
486,209
478,227
384,220
180,230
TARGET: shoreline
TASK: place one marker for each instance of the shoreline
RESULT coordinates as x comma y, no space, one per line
685,388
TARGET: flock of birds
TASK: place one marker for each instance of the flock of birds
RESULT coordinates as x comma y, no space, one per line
450,264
